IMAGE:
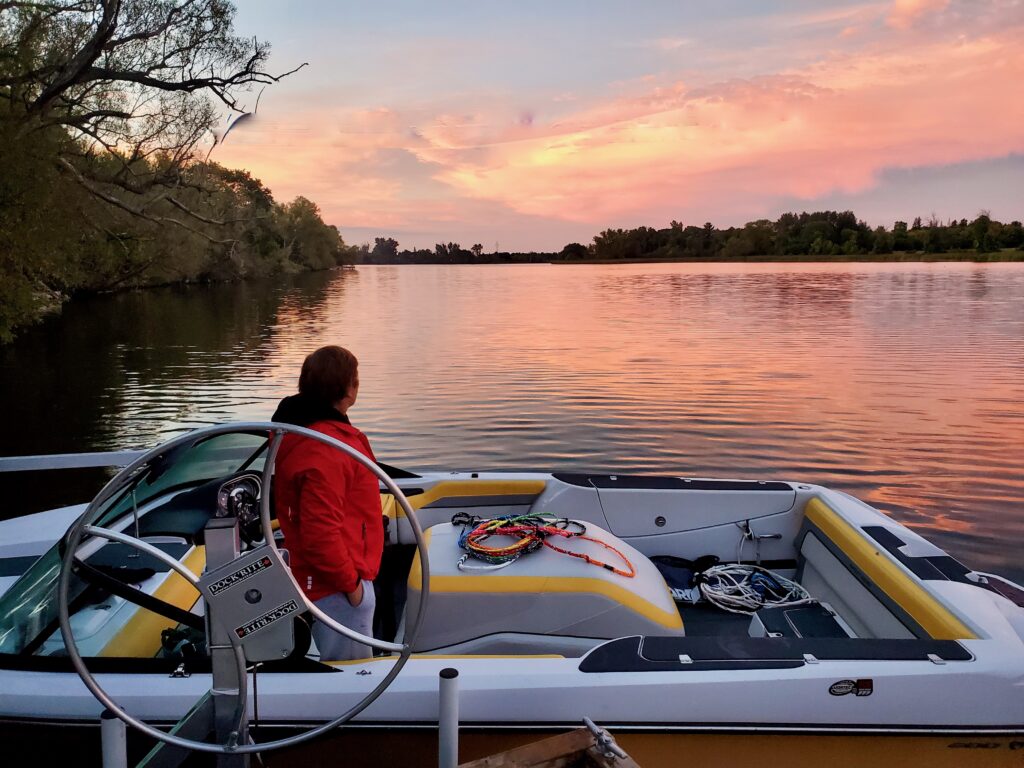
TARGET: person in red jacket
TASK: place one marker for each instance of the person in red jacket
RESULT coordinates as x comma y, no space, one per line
328,503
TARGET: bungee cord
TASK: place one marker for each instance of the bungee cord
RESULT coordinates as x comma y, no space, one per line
529,533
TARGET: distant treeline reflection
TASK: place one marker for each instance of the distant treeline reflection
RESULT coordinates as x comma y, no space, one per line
818,235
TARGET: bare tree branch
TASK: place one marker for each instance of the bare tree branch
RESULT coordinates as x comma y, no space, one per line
137,212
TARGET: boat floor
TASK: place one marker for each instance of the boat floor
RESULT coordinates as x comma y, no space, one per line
705,620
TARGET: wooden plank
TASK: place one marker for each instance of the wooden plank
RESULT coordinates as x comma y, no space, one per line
575,749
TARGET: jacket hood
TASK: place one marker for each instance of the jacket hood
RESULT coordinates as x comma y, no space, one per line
302,410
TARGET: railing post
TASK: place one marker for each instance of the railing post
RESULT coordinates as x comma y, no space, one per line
113,740
448,719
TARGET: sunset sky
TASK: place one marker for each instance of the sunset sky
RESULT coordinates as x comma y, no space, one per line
534,124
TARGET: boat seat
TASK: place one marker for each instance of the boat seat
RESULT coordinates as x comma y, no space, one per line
839,565
544,593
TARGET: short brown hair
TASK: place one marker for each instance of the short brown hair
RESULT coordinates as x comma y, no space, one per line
327,374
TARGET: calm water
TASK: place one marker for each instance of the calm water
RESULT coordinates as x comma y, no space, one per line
901,383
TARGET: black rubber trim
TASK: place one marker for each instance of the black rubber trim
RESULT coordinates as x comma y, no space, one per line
396,473
658,654
931,567
650,482
15,566
407,492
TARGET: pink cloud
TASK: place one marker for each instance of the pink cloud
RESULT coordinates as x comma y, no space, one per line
833,126
905,13
649,152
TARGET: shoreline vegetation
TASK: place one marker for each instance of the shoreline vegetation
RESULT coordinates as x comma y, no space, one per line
797,237
109,113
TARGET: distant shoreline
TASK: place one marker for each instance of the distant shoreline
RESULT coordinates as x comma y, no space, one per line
903,257
1006,255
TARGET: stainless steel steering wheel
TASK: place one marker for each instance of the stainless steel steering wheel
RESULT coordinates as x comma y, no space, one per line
83,527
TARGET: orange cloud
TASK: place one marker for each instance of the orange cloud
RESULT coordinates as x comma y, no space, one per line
905,12
832,126
655,152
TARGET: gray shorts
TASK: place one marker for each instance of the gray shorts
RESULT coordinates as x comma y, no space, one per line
335,647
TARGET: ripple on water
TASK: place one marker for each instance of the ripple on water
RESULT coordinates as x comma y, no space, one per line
900,383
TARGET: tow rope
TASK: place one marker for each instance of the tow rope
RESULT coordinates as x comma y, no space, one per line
529,533
746,588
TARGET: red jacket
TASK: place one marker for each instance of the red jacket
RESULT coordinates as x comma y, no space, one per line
329,508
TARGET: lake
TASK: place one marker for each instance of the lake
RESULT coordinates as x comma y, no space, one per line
900,383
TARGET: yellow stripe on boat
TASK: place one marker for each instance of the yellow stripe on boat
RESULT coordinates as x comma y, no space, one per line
543,584
448,489
937,620
448,656
139,638
389,509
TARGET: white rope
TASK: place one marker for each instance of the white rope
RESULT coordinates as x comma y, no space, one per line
463,566
746,588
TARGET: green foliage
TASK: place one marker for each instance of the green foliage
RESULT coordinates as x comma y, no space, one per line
574,252
58,239
104,108
817,235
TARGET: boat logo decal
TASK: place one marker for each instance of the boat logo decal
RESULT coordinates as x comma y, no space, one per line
267,619
240,575
863,687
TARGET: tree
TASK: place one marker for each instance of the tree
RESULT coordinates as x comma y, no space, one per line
136,84
310,243
477,250
980,230
385,250
883,241
574,252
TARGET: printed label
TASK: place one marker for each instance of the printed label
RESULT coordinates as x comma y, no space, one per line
240,575
267,619
863,687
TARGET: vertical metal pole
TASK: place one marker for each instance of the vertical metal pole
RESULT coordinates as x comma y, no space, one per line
448,719
222,546
113,740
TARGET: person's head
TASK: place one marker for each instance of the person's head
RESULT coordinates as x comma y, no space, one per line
331,376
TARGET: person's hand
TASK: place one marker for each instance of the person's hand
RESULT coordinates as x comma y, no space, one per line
355,597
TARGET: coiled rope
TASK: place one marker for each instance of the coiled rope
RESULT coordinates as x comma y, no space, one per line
529,533
747,588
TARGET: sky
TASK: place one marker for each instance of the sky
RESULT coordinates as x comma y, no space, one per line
529,125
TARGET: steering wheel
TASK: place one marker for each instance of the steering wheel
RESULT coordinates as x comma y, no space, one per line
83,528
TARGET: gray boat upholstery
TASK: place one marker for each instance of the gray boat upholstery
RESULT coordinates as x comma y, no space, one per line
878,597
543,595
830,580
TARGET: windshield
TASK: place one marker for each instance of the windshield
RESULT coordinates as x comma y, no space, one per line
174,495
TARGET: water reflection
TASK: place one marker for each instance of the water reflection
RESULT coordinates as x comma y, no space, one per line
900,383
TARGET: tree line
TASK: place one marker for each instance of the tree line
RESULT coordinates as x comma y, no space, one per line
108,110
821,234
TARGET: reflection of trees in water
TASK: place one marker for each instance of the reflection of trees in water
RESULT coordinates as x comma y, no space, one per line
119,371
749,296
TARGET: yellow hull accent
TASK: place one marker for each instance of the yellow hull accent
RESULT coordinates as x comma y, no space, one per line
571,584
139,638
449,656
371,747
452,488
902,589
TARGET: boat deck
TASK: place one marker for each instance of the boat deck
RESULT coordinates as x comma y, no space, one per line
705,620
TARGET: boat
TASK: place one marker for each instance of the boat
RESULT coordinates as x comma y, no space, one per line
895,651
